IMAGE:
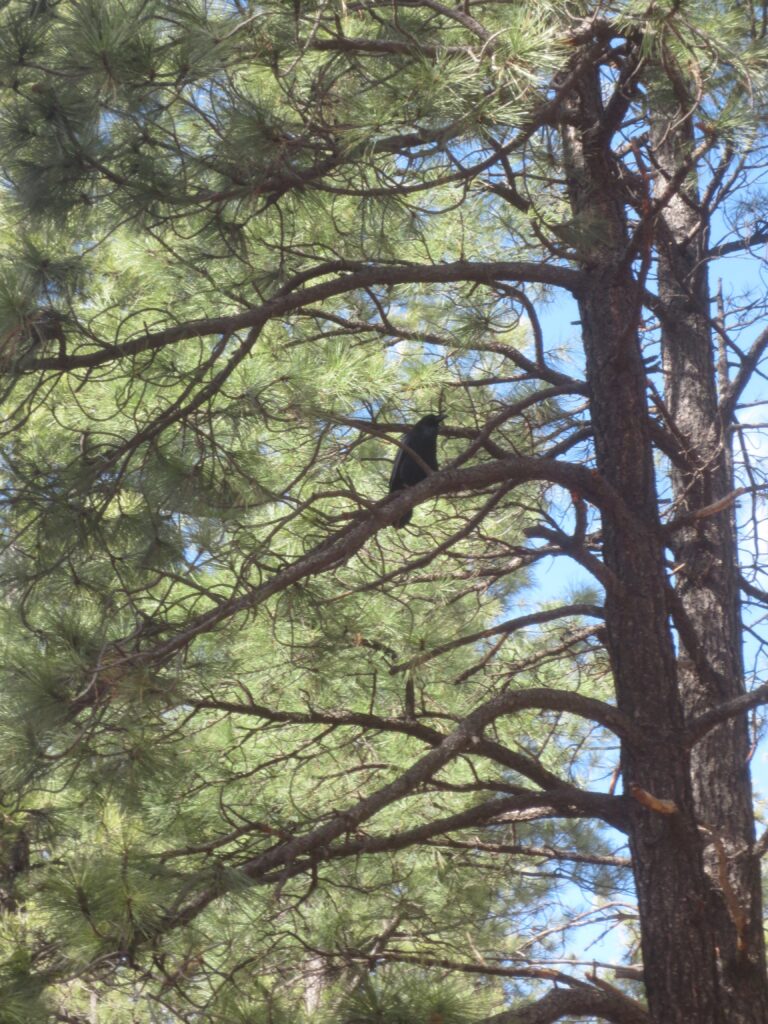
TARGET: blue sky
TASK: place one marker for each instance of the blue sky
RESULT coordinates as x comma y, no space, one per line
740,275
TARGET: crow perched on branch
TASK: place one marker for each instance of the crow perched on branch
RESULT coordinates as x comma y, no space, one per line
420,440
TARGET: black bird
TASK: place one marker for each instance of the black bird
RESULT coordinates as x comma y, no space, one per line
406,471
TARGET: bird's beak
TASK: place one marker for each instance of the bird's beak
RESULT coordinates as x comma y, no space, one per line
441,418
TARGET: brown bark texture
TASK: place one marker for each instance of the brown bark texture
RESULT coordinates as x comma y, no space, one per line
706,609
676,654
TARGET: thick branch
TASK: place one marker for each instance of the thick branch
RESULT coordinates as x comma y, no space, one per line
699,727
359,276
568,802
607,1004
298,854
340,547
490,749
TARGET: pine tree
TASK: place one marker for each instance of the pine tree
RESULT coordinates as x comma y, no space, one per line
265,758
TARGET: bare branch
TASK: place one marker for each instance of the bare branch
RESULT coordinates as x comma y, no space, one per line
758,237
742,378
510,626
699,727
710,510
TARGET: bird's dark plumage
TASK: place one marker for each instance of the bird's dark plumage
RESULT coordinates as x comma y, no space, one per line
406,471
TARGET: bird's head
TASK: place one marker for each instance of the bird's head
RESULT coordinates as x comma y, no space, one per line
430,422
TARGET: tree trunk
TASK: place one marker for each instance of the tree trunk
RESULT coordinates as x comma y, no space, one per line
680,933
710,666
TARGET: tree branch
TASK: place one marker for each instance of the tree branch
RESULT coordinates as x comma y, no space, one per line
742,378
510,626
567,802
607,1004
524,765
341,546
700,726
355,44
538,852
758,237
359,276
301,853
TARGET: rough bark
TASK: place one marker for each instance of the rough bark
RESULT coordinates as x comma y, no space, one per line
608,1005
679,934
708,614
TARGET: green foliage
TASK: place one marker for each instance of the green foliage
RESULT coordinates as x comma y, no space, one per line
383,1002
195,399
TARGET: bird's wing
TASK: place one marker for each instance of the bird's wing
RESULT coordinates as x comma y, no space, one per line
395,480
394,484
